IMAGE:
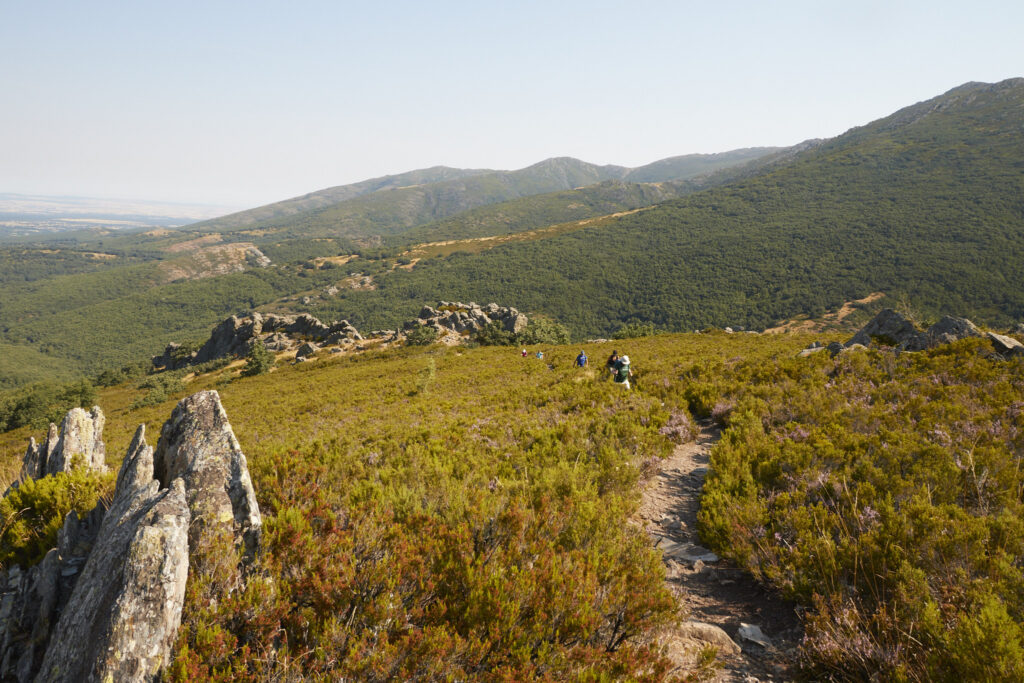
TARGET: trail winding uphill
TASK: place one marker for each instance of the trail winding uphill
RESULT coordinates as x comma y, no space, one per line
754,630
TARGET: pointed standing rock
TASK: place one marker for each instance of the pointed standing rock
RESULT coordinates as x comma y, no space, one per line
123,615
198,445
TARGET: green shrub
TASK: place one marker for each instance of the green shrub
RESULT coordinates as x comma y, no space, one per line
421,335
633,330
259,359
542,331
33,512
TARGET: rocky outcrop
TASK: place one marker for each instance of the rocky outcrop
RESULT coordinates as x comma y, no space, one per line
457,317
889,328
121,621
106,603
80,434
233,338
1007,346
198,445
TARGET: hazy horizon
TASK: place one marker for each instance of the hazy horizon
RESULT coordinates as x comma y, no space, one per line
208,104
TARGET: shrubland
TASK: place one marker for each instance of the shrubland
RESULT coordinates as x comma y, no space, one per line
884,492
434,512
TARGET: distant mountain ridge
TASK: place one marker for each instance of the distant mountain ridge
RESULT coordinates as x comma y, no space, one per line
391,204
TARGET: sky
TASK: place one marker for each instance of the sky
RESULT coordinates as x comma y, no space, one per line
239,104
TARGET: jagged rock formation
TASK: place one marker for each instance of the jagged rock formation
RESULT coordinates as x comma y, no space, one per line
235,336
121,621
31,601
460,318
198,445
892,329
106,603
81,433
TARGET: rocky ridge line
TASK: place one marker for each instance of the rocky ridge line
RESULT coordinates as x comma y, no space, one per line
890,328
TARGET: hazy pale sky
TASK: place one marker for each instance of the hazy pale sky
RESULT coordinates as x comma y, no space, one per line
245,103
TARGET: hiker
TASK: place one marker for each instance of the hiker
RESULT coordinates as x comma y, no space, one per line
622,372
612,364
524,353
540,354
581,360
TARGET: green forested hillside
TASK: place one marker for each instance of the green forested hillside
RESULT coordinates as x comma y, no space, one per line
926,204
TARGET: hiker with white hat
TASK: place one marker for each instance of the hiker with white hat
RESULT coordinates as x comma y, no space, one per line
622,371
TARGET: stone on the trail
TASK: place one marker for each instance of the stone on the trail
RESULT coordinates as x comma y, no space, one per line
810,352
698,567
754,634
710,634
689,554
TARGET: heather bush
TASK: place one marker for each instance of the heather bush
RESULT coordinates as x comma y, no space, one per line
884,491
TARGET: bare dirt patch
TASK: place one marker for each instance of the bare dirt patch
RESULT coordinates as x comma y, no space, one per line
829,320
715,594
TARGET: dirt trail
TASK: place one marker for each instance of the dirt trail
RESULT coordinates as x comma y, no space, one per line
712,590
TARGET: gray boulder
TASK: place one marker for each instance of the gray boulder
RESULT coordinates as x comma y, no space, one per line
515,323
1007,346
835,348
198,445
888,328
946,331
307,350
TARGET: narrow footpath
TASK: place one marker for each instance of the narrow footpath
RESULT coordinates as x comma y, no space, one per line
755,630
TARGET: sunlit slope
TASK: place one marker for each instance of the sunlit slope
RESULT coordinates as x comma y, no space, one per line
924,204
473,500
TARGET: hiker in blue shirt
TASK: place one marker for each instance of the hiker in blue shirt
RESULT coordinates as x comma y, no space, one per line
581,360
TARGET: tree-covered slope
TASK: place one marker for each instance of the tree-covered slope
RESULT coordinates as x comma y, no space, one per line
926,203
333,195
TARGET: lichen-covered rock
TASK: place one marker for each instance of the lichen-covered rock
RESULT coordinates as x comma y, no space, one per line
80,434
123,616
198,445
105,604
31,601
